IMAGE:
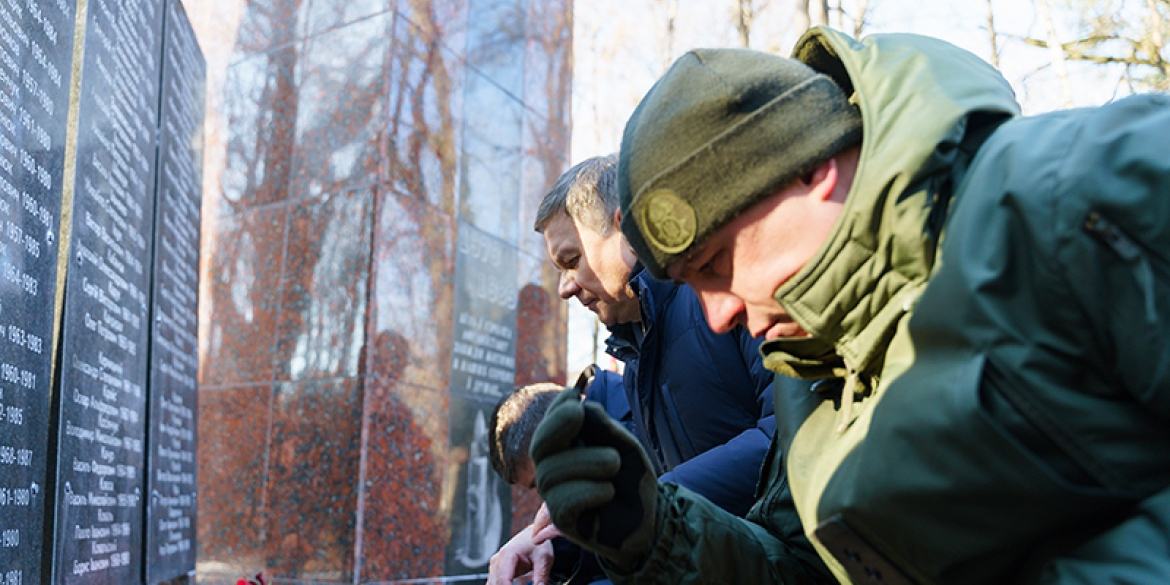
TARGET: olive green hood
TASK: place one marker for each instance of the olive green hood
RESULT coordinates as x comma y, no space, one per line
926,106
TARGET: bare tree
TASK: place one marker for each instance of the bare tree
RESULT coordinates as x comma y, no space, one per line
992,35
671,21
745,14
1056,54
1155,20
859,16
856,16
1122,33
810,13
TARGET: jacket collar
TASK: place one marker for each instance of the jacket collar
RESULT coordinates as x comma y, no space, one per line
625,340
926,107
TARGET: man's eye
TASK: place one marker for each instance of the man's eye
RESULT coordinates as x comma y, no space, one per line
708,267
713,266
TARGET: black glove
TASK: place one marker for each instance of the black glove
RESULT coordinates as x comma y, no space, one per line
596,481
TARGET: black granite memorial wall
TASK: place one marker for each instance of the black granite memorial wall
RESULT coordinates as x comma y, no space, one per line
102,434
483,369
36,50
101,110
170,508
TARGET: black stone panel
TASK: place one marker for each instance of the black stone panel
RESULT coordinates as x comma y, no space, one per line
36,49
483,369
100,485
170,507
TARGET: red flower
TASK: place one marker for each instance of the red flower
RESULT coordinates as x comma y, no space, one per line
257,580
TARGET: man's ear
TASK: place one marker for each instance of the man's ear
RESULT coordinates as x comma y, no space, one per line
617,219
823,180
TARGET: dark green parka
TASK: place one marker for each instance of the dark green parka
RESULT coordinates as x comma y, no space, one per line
992,316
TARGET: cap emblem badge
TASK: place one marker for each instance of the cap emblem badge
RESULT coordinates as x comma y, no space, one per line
669,222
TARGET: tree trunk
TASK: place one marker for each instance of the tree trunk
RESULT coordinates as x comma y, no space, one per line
1056,52
810,13
671,18
859,18
818,12
1156,39
992,36
743,21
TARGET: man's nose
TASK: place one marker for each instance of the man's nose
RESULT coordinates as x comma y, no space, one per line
721,309
567,287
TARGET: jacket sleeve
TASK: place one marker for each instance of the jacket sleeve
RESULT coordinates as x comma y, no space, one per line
719,473
1135,551
699,542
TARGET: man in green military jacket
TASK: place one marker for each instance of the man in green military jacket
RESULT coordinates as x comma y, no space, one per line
986,298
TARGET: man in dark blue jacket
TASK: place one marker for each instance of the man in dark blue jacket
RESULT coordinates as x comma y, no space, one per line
701,402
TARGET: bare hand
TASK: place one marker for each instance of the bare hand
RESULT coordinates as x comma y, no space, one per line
519,557
542,527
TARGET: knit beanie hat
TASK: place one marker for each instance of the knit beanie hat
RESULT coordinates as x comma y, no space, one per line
722,129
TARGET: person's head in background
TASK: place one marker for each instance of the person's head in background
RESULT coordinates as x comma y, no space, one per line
580,220
513,422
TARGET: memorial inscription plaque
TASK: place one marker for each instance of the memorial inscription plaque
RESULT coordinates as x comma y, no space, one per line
99,484
483,368
170,508
36,49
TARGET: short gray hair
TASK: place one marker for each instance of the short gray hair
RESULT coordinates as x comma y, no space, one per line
587,193
514,420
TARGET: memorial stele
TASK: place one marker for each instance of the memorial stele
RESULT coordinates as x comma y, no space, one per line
101,116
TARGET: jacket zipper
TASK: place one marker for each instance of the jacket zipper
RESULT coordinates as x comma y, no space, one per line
1131,252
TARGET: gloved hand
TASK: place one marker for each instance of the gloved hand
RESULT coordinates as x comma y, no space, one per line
596,480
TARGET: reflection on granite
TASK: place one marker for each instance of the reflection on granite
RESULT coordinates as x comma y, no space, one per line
312,479
341,87
412,286
403,527
541,322
425,106
324,17
232,471
491,161
356,135
547,83
268,25
320,331
244,294
260,106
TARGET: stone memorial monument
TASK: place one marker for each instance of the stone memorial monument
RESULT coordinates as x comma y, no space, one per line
100,198
170,505
483,370
36,49
97,534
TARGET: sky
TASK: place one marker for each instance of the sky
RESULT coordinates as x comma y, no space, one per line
620,50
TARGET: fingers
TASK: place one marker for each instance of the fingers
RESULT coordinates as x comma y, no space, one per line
542,563
541,520
582,463
558,429
546,534
513,559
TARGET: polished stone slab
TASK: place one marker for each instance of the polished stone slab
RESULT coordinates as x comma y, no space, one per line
100,484
363,142
483,369
36,49
174,348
